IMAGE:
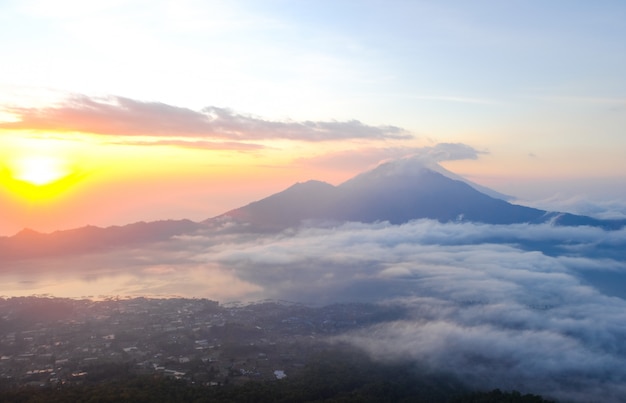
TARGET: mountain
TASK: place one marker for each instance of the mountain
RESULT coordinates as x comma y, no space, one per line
31,244
415,163
308,200
397,191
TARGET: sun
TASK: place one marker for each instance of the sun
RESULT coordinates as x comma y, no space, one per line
38,178
39,170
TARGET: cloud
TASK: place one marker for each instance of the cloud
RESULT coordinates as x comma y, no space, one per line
494,314
452,152
121,116
508,306
154,270
199,144
582,204
368,157
616,102
458,99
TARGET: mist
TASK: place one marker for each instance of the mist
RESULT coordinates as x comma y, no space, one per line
523,307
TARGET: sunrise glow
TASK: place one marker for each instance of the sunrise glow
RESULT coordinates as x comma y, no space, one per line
226,105
40,170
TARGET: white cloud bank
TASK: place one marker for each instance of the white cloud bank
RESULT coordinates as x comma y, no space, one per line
499,306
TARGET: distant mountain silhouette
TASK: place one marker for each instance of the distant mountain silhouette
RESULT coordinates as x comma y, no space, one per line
397,192
32,244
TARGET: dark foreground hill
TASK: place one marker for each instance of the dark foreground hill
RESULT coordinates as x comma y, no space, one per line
333,376
378,386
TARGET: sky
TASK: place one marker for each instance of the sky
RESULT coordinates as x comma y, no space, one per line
119,111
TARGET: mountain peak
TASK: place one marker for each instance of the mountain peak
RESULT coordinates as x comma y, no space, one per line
410,165
300,201
395,191
27,233
311,185
414,166
402,167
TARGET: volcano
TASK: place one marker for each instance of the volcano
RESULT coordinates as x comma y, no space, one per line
398,191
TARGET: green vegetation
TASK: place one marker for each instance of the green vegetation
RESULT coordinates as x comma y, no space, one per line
336,375
497,396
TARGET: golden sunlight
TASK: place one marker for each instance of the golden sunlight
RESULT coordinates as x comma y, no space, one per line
36,168
39,170
37,178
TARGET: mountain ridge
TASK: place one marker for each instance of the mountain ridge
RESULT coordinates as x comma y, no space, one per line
396,192
29,243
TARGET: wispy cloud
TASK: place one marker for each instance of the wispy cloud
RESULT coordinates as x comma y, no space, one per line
367,157
452,152
456,99
582,204
586,99
613,102
121,116
198,144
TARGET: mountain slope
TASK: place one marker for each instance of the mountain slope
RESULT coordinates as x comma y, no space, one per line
425,194
397,191
32,244
308,200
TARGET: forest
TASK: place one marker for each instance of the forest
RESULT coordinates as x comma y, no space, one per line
335,375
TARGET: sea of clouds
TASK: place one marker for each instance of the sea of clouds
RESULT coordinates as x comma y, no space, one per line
535,308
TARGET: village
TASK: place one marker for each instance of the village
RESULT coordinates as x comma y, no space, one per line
50,341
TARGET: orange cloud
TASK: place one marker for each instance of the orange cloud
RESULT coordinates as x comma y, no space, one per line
127,117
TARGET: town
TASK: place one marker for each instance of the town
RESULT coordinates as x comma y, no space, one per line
47,341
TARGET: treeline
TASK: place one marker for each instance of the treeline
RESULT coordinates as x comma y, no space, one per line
148,390
334,376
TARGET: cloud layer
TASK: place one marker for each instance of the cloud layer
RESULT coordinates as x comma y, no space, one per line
369,157
517,307
121,116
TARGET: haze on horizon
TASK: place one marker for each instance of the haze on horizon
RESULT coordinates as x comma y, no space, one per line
121,111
